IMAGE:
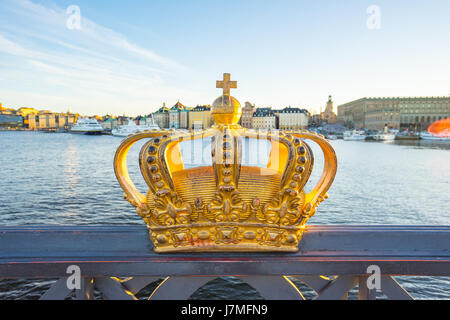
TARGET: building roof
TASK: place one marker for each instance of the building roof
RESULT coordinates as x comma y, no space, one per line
201,108
399,99
177,107
163,109
248,106
293,110
264,112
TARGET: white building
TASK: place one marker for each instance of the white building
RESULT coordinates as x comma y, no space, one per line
293,118
264,118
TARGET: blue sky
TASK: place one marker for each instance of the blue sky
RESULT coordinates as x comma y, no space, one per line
131,56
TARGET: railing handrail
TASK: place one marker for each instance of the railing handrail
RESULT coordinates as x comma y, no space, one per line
46,251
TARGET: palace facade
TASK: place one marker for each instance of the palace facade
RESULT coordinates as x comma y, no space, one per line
414,113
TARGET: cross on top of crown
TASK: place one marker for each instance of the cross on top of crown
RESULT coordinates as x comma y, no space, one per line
226,84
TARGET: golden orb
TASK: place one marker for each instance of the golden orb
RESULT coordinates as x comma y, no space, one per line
226,110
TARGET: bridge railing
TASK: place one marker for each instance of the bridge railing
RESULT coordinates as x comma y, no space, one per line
119,261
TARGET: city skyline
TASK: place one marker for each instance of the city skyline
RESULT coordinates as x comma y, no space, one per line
130,59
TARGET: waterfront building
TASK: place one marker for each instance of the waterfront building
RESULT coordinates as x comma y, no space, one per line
328,115
184,117
47,120
174,115
25,112
122,120
8,111
162,117
292,118
140,120
148,120
109,123
247,115
264,118
315,120
10,118
414,113
31,118
11,121
200,117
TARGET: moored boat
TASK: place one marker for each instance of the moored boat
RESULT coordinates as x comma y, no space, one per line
355,135
87,126
407,135
384,136
131,128
429,136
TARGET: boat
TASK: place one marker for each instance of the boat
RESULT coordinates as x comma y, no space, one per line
331,137
131,128
428,136
407,135
384,136
355,135
87,126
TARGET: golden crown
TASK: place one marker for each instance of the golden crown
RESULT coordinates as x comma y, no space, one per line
226,206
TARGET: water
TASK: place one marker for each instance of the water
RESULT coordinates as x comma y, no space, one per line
64,179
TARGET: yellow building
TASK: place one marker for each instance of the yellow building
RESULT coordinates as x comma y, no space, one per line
200,117
26,111
46,120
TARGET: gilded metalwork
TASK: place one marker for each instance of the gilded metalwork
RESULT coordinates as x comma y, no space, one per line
226,84
226,206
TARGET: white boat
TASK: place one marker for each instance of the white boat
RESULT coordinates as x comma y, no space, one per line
354,135
131,128
428,136
331,137
87,126
384,136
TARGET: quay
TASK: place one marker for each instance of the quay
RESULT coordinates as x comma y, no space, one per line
105,254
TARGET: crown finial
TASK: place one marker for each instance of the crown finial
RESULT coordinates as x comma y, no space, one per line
226,110
226,84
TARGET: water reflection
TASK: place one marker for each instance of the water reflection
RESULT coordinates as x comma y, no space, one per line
424,144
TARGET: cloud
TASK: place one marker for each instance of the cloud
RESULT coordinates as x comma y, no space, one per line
94,69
